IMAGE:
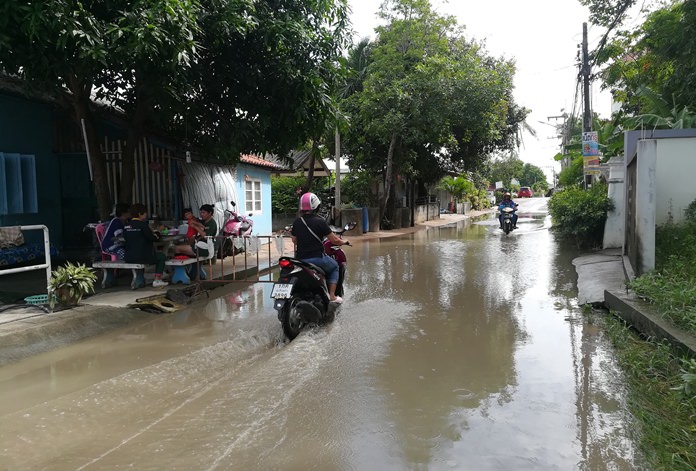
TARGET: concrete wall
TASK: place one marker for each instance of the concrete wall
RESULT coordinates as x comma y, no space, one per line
405,215
658,171
675,178
615,224
348,215
426,212
646,204
281,220
463,208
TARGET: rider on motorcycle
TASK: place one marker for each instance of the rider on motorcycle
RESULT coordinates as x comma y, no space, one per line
507,203
308,232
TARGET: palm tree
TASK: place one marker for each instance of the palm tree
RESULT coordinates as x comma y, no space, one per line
356,65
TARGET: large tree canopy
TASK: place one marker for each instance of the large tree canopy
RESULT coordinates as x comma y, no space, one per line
655,58
431,101
126,52
228,76
265,78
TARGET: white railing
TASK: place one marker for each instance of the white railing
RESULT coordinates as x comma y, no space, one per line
47,256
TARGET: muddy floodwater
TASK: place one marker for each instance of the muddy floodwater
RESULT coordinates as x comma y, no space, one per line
457,348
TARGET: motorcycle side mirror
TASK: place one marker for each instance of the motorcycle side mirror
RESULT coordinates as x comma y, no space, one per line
233,203
350,226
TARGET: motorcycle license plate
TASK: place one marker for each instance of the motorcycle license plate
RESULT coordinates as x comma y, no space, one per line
281,290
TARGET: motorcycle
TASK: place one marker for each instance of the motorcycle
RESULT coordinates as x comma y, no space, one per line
236,225
301,295
508,225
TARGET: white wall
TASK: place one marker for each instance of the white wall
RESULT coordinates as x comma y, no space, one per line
615,226
646,203
675,178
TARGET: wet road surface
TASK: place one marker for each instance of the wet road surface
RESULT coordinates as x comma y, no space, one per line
457,348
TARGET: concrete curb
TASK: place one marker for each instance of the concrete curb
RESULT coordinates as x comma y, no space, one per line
647,320
35,335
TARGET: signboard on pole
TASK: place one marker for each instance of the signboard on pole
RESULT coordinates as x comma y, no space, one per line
590,152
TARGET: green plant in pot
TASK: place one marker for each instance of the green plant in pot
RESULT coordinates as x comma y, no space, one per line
70,283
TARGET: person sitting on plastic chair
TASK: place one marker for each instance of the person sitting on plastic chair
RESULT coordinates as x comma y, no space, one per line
198,244
112,243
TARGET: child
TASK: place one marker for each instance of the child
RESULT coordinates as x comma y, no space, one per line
194,225
140,247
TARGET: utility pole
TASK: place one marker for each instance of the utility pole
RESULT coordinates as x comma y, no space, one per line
587,115
564,137
337,195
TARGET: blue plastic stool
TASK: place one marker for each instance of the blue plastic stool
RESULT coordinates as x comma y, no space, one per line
180,275
138,279
109,280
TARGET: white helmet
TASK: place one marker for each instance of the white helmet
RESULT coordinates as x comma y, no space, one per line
309,202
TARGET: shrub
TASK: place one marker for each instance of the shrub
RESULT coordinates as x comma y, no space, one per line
356,190
478,199
580,214
285,199
573,174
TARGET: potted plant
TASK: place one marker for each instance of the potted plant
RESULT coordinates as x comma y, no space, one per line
70,283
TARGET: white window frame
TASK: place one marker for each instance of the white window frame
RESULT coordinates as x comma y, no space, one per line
253,197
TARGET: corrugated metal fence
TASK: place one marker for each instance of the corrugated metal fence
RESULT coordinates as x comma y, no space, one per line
155,176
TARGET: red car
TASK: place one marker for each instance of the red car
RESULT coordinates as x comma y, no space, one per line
525,192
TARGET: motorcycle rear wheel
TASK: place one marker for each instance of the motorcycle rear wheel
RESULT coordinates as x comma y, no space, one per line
290,320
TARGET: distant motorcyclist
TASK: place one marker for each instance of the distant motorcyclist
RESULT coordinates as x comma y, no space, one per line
507,203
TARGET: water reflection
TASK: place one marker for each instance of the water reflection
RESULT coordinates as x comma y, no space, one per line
489,353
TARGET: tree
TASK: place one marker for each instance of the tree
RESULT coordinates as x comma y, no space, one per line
223,75
504,169
431,101
152,46
656,55
55,47
572,175
127,53
531,174
265,77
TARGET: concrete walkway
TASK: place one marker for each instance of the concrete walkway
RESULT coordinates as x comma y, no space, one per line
598,272
602,282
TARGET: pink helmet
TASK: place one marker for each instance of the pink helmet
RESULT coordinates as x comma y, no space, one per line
309,202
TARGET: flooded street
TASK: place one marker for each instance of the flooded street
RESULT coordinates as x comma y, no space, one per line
458,348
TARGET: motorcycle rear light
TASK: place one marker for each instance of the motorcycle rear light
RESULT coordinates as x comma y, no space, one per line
285,264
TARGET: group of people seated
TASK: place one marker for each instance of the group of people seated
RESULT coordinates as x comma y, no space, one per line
130,238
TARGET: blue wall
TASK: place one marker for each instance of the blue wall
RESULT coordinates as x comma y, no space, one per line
262,220
26,127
